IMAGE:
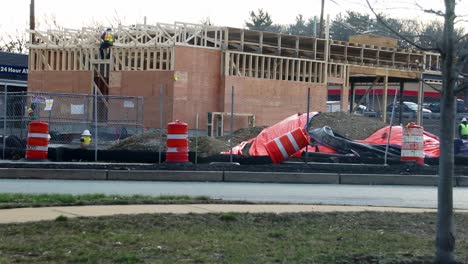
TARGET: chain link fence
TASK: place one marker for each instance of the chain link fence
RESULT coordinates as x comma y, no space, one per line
107,118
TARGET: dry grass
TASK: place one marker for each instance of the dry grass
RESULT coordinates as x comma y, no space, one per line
368,237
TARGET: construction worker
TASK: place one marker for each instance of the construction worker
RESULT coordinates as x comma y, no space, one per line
107,38
85,139
463,129
32,112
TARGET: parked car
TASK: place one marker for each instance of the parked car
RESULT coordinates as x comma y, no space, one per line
461,106
407,107
435,107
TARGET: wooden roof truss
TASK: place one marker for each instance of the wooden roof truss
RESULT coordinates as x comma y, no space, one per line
278,56
140,35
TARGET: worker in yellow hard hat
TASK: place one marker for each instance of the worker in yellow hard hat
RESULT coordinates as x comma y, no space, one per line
85,139
107,40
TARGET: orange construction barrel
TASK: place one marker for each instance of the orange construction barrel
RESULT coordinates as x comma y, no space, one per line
286,145
177,142
37,143
412,144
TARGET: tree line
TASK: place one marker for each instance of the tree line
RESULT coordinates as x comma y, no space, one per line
424,34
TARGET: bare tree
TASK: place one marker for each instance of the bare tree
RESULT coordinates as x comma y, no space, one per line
14,42
451,67
206,21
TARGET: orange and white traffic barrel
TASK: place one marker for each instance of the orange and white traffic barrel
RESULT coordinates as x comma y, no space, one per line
286,145
412,144
177,142
37,144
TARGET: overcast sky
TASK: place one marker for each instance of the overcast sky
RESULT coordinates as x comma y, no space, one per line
14,14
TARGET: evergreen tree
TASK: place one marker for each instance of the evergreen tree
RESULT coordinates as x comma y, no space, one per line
260,21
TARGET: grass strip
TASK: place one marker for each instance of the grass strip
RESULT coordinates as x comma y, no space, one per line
363,237
18,200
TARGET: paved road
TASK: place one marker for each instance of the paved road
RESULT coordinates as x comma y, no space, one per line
399,196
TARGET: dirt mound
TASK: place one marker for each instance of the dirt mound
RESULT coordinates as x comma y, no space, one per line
206,145
350,126
146,141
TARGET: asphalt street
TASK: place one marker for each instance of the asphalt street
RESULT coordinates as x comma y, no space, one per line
364,195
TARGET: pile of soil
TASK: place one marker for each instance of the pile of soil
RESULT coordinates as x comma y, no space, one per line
206,146
146,141
350,126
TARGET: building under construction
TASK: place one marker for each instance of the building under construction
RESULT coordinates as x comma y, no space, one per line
193,68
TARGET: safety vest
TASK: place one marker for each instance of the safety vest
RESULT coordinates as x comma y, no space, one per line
464,129
109,37
86,140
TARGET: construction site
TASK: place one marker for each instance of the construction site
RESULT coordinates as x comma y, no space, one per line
220,81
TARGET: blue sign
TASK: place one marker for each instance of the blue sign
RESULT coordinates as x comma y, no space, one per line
13,69
38,99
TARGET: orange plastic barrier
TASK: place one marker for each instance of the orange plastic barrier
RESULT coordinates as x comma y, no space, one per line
412,144
37,144
177,142
286,145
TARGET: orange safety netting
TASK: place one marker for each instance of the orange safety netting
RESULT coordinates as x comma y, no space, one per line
258,143
431,142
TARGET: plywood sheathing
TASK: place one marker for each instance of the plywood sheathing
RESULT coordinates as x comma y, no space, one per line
78,82
147,84
198,84
375,40
272,100
372,71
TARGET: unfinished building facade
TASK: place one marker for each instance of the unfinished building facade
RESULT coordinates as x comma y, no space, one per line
193,69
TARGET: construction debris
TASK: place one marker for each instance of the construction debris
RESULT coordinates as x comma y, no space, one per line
350,126
206,146
147,141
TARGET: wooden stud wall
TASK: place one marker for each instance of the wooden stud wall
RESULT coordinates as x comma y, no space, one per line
122,59
280,68
376,56
248,53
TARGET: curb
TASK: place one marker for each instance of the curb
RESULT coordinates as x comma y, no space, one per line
53,174
389,179
158,175
225,176
281,177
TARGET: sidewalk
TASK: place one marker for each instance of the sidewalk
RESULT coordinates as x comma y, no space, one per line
21,215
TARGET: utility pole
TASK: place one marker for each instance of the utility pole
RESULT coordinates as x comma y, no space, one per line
32,20
321,33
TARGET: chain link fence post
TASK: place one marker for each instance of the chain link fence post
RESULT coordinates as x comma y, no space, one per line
5,109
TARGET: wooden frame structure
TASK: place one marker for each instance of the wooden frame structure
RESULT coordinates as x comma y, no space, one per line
246,53
151,47
282,68
216,120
